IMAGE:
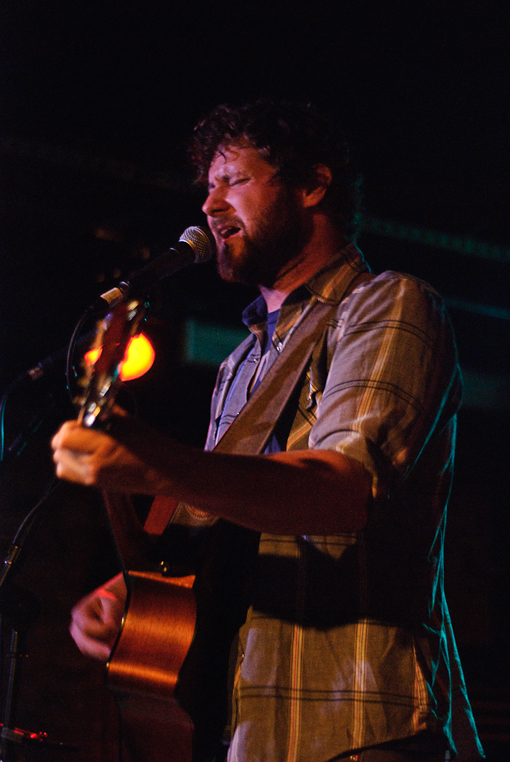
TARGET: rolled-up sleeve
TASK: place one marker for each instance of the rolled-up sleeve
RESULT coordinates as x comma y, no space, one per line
393,377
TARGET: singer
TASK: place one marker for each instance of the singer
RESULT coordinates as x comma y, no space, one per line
345,648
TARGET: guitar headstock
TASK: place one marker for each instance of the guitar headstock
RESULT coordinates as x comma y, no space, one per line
101,381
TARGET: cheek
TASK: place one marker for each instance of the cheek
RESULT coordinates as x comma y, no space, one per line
257,210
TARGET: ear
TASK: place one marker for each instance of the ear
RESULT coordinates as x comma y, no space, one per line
312,196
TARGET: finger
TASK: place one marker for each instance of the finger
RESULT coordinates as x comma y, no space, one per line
79,439
97,649
72,466
99,617
80,454
64,433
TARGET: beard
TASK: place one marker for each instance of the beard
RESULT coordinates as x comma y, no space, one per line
271,250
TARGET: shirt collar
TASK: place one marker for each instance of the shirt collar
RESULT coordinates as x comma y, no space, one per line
327,285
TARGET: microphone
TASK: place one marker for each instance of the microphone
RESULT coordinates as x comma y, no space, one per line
53,362
194,247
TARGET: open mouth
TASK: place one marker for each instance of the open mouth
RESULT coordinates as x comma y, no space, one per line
229,232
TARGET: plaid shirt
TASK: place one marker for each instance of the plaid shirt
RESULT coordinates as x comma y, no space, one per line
347,643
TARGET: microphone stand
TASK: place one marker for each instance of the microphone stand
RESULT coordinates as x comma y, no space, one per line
19,608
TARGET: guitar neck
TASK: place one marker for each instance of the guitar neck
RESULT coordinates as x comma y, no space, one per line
135,546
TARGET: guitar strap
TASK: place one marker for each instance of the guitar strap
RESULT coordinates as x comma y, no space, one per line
250,431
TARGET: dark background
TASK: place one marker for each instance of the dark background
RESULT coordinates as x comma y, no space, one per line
97,101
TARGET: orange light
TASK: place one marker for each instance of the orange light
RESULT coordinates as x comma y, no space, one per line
138,359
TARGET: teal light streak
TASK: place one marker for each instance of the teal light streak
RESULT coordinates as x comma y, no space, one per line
413,234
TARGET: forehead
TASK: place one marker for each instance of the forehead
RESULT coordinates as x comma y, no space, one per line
233,158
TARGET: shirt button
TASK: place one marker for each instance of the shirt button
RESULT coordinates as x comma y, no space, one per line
279,346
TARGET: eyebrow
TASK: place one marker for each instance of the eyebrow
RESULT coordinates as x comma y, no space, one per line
225,175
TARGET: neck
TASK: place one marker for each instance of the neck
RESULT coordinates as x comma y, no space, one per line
323,245
274,299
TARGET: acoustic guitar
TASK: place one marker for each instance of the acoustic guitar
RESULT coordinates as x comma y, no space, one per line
169,667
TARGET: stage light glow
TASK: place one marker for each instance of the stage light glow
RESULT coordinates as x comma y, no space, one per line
138,359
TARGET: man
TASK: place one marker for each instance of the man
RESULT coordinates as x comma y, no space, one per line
347,650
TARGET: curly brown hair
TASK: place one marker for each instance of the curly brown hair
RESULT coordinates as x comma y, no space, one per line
294,139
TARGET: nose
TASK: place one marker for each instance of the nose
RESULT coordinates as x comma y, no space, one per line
216,202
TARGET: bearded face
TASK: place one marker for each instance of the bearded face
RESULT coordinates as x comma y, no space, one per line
276,237
254,218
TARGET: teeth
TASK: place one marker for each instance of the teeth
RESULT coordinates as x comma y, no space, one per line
226,232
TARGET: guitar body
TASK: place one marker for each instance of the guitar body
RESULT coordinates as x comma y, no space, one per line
143,671
169,670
